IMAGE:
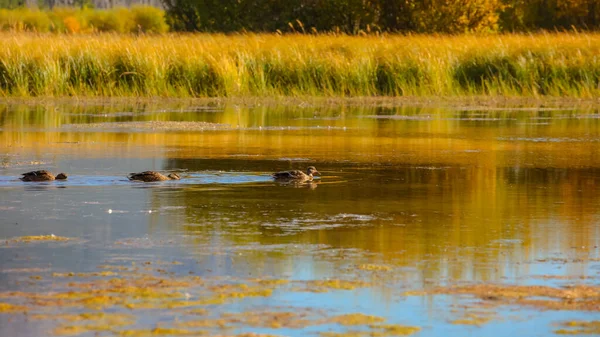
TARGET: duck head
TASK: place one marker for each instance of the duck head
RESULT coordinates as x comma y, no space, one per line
312,171
174,176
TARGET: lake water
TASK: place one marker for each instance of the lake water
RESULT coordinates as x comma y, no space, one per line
411,204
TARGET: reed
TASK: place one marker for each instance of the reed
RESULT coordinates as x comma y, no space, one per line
214,65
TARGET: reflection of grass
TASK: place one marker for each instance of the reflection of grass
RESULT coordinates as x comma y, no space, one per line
245,65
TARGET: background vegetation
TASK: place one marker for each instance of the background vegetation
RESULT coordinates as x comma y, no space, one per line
201,65
355,16
137,19
311,16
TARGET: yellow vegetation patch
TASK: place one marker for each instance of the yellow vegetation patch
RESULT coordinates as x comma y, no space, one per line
346,334
113,319
35,238
396,329
356,319
111,267
103,300
240,291
11,308
271,283
70,330
580,297
374,267
377,331
579,328
204,323
273,320
249,334
25,270
472,319
94,274
160,332
327,285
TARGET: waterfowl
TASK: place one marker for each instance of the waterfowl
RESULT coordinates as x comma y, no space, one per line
42,175
149,176
296,174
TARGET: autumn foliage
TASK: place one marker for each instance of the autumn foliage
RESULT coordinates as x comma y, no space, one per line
364,16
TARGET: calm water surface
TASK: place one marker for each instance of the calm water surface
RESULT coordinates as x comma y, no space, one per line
410,199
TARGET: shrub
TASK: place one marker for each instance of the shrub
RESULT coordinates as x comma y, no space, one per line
107,20
34,20
456,16
66,20
72,25
148,19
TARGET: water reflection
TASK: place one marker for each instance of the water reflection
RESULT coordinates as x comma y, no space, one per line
442,196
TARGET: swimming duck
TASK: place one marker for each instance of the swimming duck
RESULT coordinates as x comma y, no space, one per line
149,176
296,174
42,175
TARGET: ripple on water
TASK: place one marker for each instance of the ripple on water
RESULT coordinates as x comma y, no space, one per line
313,223
549,139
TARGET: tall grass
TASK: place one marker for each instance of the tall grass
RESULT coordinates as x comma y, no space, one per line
200,65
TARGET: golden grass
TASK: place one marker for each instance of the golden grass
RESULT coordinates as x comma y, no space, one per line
215,65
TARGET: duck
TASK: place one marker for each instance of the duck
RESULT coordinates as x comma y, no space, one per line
42,175
149,176
296,175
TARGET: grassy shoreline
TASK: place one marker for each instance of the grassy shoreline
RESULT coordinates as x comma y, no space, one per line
456,102
266,65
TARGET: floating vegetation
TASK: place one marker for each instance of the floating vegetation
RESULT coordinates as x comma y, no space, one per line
395,329
93,274
71,330
374,267
357,319
160,332
579,328
273,320
579,297
320,286
473,319
384,330
37,238
113,298
11,308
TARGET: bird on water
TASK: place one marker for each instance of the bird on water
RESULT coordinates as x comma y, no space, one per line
296,175
42,175
149,176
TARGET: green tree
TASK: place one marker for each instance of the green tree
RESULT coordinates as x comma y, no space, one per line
10,4
456,16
